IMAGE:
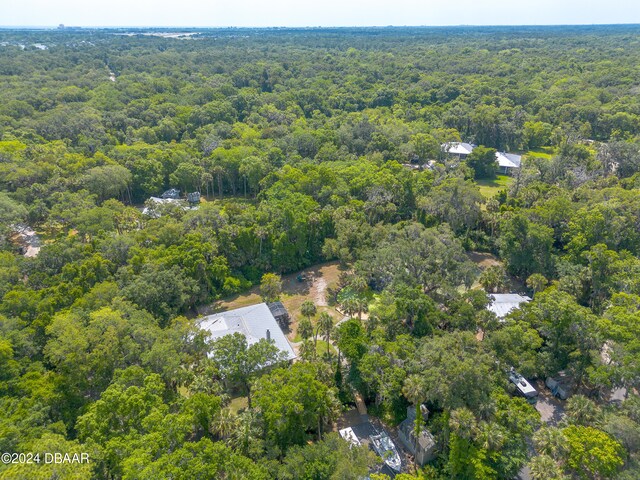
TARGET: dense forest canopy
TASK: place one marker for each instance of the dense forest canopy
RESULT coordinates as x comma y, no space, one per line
308,146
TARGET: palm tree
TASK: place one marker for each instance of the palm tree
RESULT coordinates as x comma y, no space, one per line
329,410
550,441
246,432
358,283
218,171
224,423
325,325
309,309
307,350
413,390
537,282
206,179
362,305
261,233
582,411
543,467
463,422
493,436
349,305
305,328
493,207
493,278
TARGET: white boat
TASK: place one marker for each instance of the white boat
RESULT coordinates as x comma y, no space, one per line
384,447
349,435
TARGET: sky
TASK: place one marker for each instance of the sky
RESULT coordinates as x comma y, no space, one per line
305,13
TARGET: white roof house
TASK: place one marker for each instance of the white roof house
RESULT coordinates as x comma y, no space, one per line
503,303
152,202
149,210
508,160
254,322
505,160
458,148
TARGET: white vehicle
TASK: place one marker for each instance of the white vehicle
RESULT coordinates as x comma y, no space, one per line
384,447
523,386
349,435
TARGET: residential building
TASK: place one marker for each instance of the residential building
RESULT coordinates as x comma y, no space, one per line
503,303
422,447
459,149
508,162
255,322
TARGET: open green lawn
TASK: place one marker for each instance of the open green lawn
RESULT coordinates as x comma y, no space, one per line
321,348
542,152
294,293
238,403
490,187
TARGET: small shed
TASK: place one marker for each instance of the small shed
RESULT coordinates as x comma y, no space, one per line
561,385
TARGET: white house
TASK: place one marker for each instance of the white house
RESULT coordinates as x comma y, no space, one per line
255,322
459,149
508,161
153,206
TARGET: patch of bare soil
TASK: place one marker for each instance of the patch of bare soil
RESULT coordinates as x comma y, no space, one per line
308,284
484,259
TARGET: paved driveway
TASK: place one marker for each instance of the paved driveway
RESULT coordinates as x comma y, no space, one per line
551,409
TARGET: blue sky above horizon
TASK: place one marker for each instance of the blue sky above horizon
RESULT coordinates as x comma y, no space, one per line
304,13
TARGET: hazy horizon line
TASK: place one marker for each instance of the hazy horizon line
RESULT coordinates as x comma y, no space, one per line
271,27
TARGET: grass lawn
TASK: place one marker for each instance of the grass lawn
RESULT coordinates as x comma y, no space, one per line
294,293
542,152
485,260
238,403
321,348
490,187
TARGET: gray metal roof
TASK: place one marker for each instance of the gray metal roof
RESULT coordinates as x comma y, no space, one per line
508,160
252,322
425,439
502,303
277,309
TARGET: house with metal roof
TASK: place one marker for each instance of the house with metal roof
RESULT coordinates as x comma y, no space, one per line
255,322
508,162
503,303
459,149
